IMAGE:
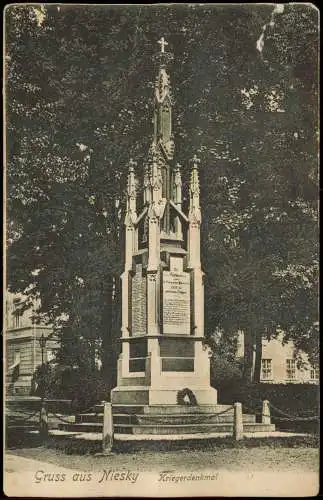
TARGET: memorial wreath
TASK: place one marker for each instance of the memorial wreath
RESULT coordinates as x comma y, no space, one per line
186,397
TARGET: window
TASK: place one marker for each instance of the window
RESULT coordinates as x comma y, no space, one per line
16,319
313,374
290,369
266,369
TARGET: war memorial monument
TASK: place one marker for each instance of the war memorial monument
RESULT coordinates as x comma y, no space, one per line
164,369
162,282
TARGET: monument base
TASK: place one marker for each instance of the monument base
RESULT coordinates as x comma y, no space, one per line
146,396
161,376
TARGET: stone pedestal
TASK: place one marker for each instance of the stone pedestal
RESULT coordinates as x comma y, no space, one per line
162,377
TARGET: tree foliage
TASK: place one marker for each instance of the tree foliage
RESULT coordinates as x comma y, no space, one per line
79,85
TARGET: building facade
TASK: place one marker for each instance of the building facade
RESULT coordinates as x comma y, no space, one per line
279,365
27,345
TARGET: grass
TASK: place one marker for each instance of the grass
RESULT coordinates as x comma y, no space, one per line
70,446
252,459
292,453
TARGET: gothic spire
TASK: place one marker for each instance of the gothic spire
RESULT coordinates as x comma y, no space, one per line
163,102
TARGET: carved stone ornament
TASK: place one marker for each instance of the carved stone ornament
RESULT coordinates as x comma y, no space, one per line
152,277
155,176
194,184
146,177
195,217
130,219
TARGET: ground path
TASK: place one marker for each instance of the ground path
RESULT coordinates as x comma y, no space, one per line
264,471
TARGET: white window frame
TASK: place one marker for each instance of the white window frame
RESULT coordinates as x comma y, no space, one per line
266,369
17,319
290,369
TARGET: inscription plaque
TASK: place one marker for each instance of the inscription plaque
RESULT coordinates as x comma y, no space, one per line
176,303
138,303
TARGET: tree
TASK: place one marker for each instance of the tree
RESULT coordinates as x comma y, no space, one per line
265,268
79,93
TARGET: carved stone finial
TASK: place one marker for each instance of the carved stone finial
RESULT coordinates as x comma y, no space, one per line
146,184
195,161
132,165
132,181
177,186
177,175
195,189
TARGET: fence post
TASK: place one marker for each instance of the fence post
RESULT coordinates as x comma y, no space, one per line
107,436
43,421
265,416
237,423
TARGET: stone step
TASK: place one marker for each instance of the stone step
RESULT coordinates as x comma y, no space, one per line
136,395
153,419
164,409
143,439
189,428
92,418
86,436
130,381
125,418
189,418
135,409
122,408
22,427
81,427
175,409
185,418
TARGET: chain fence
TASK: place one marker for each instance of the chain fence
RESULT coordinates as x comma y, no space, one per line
60,418
294,418
276,413
282,415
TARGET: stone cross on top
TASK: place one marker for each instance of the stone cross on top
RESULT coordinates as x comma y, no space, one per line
162,42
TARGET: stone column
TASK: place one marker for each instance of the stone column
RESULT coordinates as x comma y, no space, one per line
177,195
194,254
198,302
131,245
155,362
265,416
152,303
194,217
238,423
107,431
153,240
125,359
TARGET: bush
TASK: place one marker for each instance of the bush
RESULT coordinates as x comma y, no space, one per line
225,372
84,388
296,400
